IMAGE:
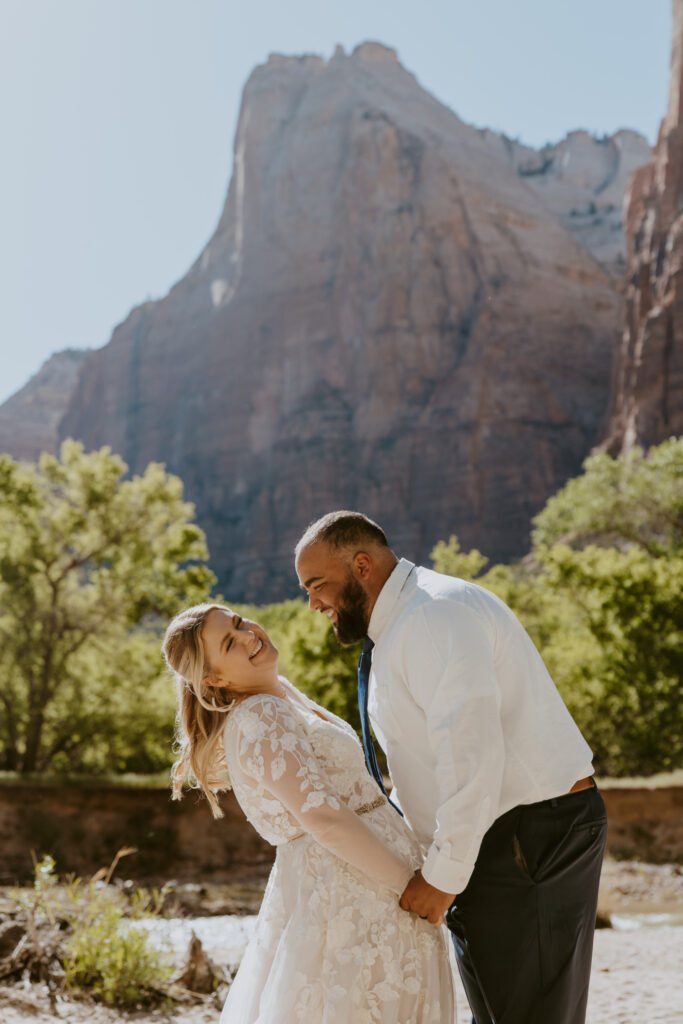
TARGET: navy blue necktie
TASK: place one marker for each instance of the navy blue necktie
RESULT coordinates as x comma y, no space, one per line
364,663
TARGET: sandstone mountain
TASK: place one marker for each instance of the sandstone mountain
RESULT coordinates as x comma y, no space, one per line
647,397
397,312
29,420
583,180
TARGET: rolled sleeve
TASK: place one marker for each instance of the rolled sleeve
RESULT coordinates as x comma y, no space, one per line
451,675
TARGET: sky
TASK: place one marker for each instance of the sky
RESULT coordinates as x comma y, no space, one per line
117,120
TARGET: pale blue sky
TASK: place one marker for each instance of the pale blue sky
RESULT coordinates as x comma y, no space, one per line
117,119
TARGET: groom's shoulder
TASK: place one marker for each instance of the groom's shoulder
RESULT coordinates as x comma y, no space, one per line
437,609
434,595
436,586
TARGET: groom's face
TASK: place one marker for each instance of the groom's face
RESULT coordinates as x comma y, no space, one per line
333,590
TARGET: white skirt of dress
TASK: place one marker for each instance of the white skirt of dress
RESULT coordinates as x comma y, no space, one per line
331,946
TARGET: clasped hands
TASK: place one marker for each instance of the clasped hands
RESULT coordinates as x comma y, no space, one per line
425,900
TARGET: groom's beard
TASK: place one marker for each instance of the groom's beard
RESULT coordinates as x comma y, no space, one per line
352,614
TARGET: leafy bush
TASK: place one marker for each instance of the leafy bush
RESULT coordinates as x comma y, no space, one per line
110,958
102,953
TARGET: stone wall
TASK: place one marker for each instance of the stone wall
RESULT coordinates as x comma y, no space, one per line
84,827
645,824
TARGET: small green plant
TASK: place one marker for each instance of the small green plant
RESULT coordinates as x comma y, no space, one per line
40,956
108,956
103,952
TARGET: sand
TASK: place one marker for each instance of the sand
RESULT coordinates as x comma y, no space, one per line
637,979
637,975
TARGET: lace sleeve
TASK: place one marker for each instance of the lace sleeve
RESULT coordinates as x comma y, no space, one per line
275,752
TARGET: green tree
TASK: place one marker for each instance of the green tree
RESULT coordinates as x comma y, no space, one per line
636,499
88,560
601,594
447,557
616,653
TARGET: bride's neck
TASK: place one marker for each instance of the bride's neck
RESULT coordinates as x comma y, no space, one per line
276,687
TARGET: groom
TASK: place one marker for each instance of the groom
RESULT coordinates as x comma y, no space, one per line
487,765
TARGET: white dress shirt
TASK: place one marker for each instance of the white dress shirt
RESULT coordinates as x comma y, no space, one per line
469,718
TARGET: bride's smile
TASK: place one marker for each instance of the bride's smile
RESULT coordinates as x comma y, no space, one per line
239,654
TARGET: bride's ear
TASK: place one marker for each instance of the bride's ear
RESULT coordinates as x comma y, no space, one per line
212,680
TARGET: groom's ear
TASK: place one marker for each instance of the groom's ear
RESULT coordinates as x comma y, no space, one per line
362,565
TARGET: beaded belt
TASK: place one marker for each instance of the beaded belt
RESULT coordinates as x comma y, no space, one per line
371,807
365,809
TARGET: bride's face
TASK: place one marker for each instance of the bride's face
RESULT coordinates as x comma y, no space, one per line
238,653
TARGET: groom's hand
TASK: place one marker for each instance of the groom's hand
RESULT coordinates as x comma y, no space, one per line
424,900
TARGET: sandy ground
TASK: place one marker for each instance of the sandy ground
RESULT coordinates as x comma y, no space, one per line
633,887
637,975
637,979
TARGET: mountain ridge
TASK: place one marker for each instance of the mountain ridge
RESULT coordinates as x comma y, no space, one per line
387,316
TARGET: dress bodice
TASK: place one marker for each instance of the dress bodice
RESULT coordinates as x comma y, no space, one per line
318,762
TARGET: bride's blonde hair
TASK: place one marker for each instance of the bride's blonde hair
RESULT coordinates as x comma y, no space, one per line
201,710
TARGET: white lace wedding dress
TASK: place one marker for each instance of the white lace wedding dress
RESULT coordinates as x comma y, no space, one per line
331,945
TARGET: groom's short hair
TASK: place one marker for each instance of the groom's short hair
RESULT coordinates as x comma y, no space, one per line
342,529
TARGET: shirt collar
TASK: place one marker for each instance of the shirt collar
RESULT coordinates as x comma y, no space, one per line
387,598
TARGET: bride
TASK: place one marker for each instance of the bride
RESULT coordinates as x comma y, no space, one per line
331,944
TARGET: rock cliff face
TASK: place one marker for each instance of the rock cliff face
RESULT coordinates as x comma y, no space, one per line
29,420
388,317
647,391
583,180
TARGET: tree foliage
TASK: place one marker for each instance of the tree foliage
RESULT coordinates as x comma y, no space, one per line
92,566
447,557
617,652
636,499
601,594
88,561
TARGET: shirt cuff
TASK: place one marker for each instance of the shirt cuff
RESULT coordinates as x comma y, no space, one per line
447,875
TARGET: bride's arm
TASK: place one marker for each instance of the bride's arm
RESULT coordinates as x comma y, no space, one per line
273,749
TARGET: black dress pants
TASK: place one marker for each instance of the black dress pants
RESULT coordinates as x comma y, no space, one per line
523,927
